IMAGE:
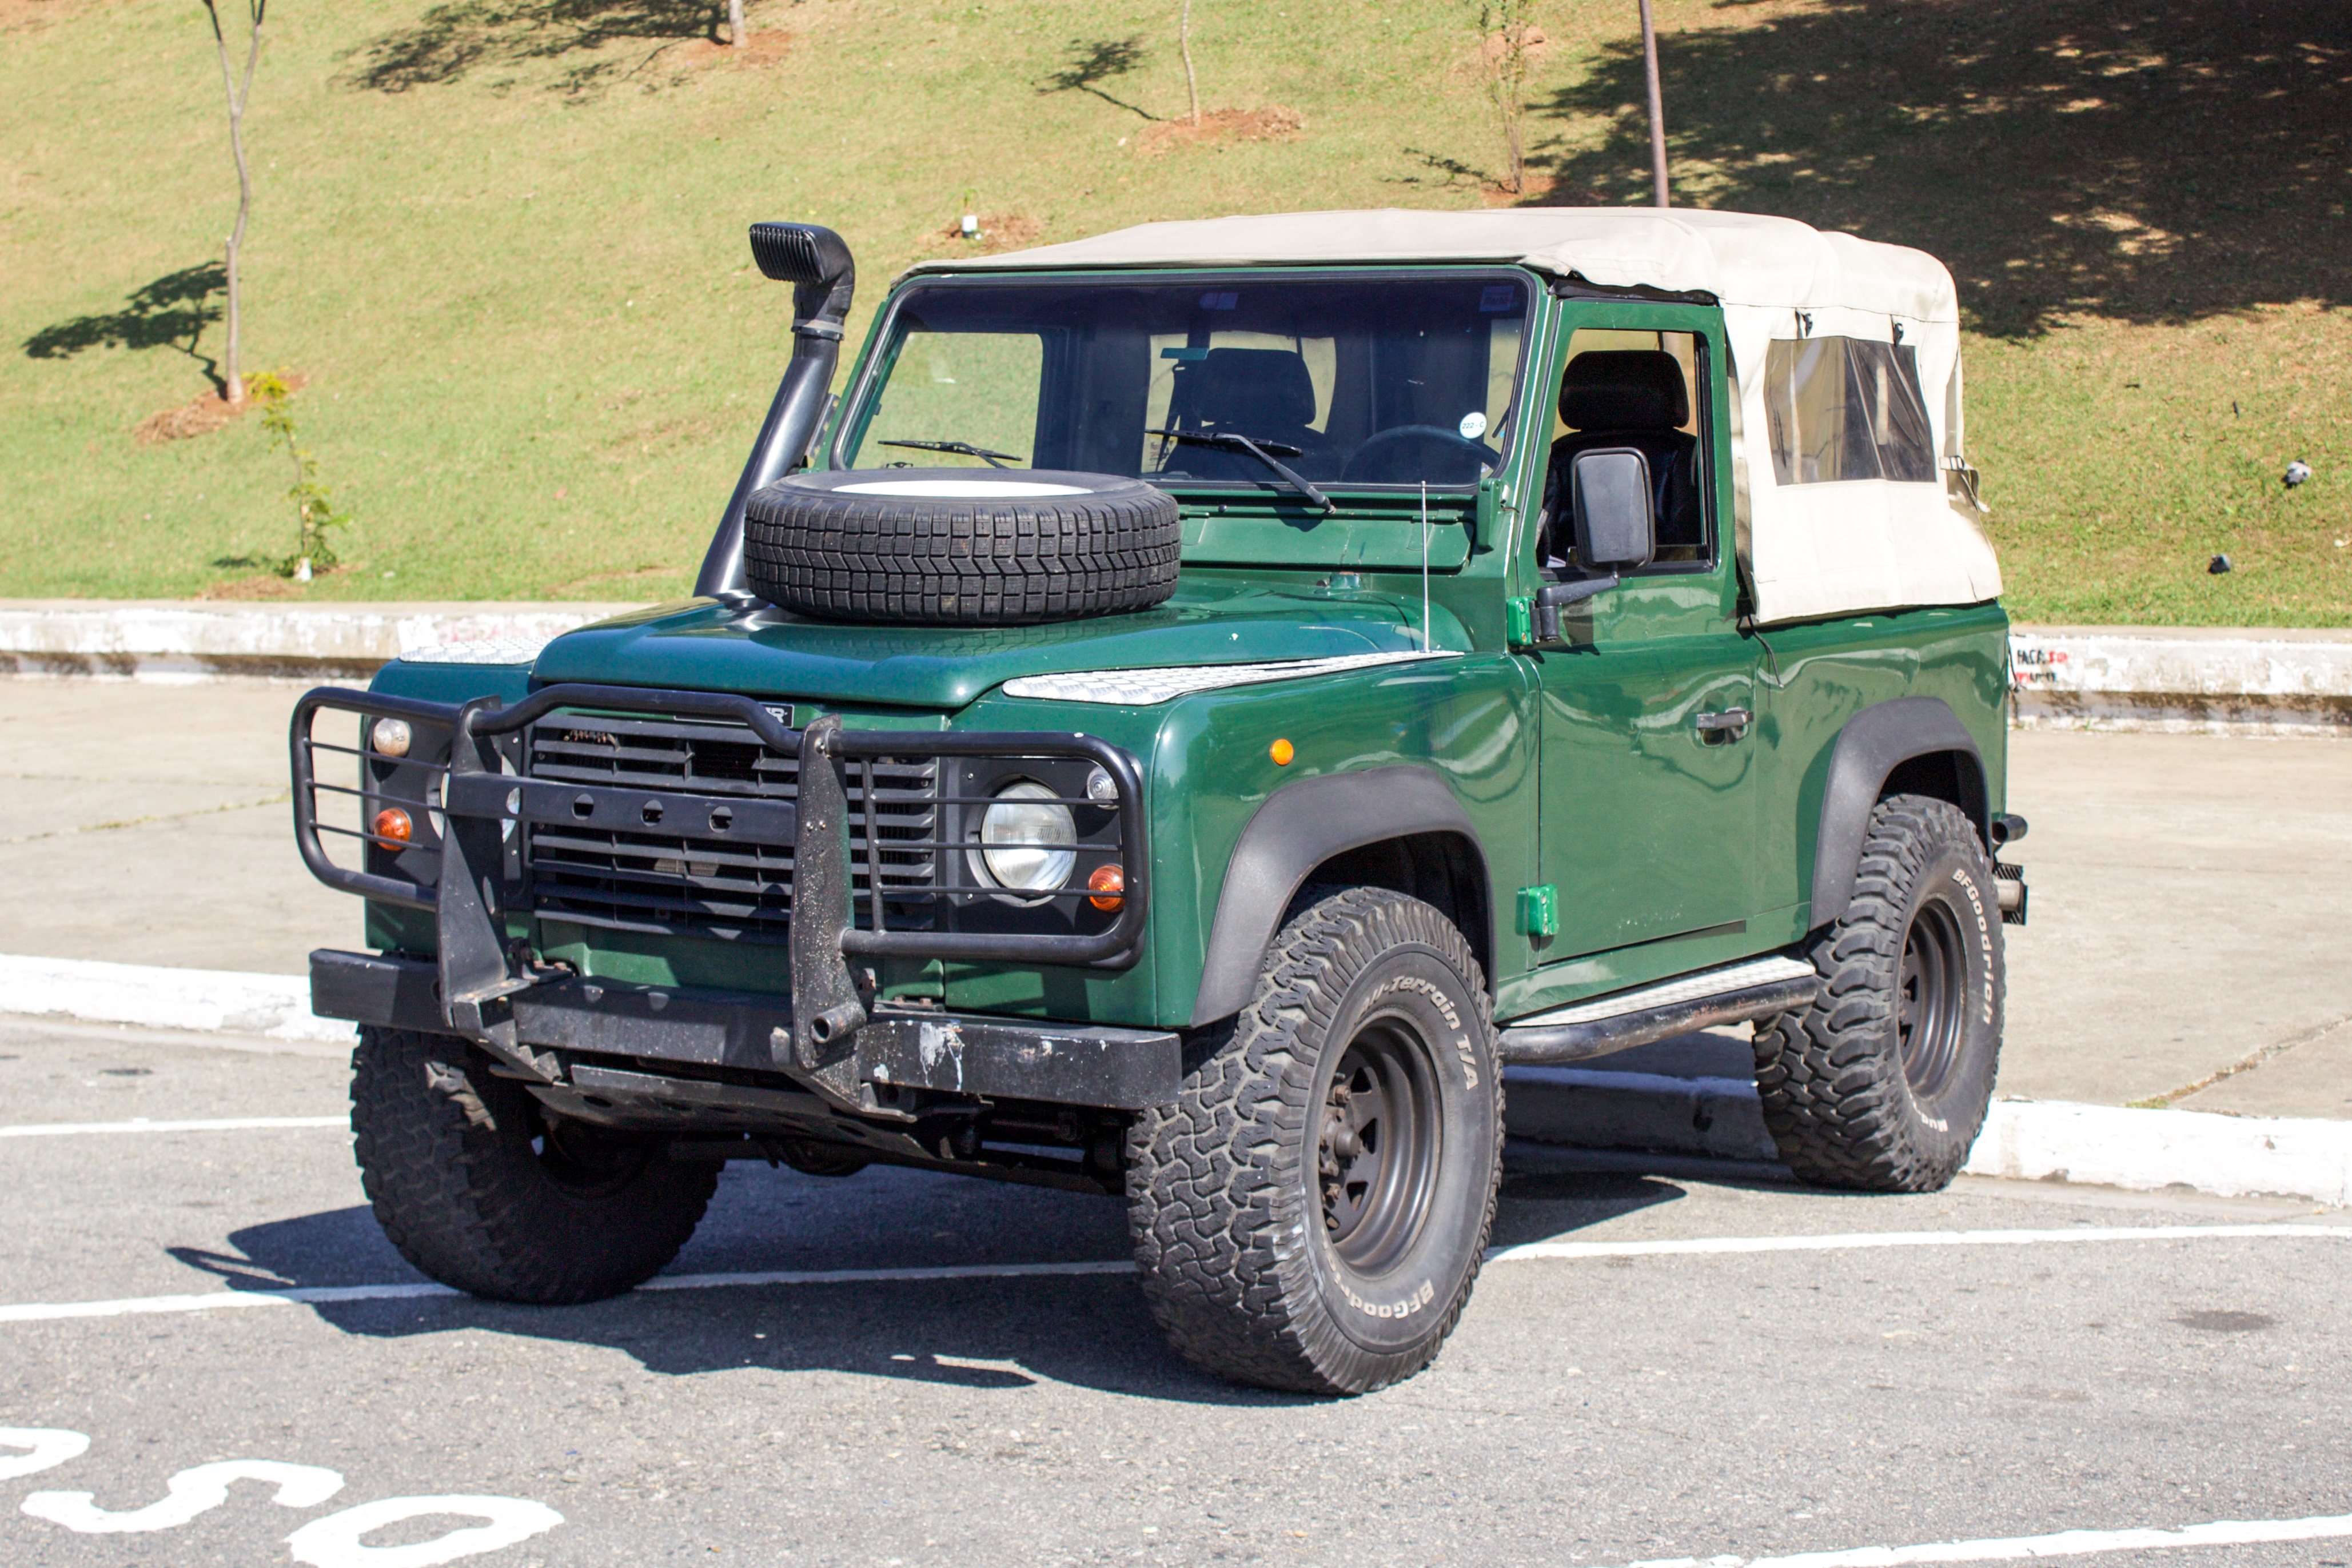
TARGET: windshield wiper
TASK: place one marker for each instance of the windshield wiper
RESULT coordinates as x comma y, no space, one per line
961,448
1264,451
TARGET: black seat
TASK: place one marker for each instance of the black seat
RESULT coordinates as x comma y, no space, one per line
1630,397
1263,393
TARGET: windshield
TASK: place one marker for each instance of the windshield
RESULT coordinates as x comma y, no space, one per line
1339,381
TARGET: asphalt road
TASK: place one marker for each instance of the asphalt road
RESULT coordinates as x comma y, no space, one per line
1609,1405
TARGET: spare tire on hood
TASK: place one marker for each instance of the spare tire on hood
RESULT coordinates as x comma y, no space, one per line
960,546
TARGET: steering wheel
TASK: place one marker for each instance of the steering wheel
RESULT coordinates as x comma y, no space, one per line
1364,462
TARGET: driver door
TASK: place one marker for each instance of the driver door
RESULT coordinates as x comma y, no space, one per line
1647,777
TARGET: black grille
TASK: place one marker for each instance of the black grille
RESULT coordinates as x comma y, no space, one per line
680,882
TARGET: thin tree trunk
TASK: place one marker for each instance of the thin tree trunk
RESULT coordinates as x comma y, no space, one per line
1184,46
237,99
1657,108
735,36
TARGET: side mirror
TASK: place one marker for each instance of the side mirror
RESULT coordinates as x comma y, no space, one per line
1615,530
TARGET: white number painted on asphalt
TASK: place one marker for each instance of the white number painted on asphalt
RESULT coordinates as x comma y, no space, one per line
334,1541
187,1494
50,1446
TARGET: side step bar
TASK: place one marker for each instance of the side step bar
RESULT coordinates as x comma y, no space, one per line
1752,988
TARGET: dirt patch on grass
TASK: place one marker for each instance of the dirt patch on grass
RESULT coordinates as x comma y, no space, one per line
763,48
198,416
16,13
202,415
270,585
1275,123
997,230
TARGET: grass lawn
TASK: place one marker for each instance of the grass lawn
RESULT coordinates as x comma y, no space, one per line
503,241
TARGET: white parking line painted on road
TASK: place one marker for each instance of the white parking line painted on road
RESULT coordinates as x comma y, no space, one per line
2019,1548
1871,1239
866,1275
142,1124
327,1295
214,1301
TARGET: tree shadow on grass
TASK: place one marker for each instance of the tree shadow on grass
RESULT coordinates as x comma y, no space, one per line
455,38
172,312
2144,159
1094,61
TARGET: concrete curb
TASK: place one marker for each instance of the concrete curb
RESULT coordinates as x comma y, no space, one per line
188,641
2145,1151
275,1007
2187,679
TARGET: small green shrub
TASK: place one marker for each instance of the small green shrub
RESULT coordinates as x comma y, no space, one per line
314,512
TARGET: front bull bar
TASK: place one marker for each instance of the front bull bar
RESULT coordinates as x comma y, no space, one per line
484,801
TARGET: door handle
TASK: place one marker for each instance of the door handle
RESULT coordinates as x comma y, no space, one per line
1729,723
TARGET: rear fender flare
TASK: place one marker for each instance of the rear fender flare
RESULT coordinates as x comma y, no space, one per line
1874,743
1297,828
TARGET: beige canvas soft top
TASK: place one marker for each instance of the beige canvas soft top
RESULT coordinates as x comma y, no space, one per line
1809,547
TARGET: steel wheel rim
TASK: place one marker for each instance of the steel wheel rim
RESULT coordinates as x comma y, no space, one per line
1931,998
1378,1148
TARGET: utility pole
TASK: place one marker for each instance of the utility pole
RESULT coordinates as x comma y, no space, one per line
1657,107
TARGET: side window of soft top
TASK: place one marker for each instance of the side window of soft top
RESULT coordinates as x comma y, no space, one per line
1646,391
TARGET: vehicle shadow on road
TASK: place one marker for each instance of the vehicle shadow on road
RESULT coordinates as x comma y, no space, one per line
1093,1330
2145,160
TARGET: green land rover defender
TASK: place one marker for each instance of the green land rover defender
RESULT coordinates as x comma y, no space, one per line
1200,704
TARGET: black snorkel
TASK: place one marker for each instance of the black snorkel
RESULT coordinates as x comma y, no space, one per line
816,262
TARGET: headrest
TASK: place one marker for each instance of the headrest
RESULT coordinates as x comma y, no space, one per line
1623,389
1241,388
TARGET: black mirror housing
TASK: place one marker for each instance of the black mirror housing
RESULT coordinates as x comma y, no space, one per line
1615,528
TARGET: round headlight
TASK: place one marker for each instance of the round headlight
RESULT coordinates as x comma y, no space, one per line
392,736
1028,842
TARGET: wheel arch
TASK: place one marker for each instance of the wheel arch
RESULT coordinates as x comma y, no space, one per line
1398,827
1911,744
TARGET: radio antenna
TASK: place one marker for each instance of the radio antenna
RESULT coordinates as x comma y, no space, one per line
1424,563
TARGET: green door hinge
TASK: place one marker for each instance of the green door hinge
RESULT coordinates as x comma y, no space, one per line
1521,616
1540,909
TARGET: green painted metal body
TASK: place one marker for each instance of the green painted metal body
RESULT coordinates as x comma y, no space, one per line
1577,763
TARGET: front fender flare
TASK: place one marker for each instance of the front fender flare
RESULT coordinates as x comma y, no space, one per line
1297,828
1874,743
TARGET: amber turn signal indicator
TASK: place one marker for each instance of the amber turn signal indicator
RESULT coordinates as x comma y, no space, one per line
1282,752
1107,888
392,825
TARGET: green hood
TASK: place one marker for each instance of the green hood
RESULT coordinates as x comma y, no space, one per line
703,646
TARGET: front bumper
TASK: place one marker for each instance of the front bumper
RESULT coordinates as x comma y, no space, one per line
829,1033
895,1051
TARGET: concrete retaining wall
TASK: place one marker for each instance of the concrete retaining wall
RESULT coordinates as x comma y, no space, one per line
2190,679
169,640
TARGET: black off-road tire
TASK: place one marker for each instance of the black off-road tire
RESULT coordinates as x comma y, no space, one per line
1881,1084
481,1188
1269,1253
822,543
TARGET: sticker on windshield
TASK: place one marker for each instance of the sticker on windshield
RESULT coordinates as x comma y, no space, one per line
1219,301
1498,297
1473,425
